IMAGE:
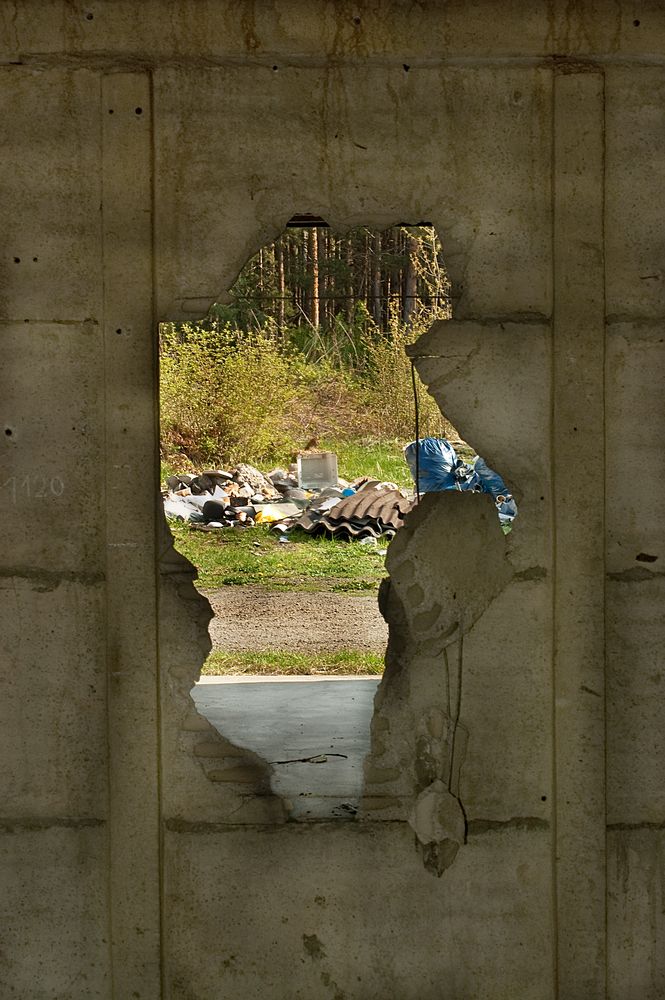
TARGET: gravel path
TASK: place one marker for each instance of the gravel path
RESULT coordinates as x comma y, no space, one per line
249,618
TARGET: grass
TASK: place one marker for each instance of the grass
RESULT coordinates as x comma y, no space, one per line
243,556
382,460
287,662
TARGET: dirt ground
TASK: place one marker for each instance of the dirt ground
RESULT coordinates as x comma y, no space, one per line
248,618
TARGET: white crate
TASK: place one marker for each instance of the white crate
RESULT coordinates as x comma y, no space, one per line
318,470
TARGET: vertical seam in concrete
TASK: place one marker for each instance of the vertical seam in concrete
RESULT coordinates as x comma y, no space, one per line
134,818
554,792
579,546
107,632
604,409
156,483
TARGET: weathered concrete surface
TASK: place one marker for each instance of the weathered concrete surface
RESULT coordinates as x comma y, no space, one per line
53,909
348,910
148,149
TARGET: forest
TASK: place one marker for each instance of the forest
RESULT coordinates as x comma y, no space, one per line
309,351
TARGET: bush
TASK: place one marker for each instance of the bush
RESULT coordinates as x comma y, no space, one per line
229,395
225,396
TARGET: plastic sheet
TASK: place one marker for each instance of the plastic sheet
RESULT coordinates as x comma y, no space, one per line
440,468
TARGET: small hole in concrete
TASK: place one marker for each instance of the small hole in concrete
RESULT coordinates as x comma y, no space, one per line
645,557
35,259
89,16
543,798
275,68
405,67
119,330
17,260
138,111
8,431
636,23
356,20
110,111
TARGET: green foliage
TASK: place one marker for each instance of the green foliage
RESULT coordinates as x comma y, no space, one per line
257,379
225,395
230,396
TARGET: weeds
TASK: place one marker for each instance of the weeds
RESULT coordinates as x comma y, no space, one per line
335,663
254,556
229,395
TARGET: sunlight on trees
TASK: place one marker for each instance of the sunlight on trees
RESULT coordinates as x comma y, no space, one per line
311,346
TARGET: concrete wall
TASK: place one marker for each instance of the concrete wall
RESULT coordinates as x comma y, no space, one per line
148,150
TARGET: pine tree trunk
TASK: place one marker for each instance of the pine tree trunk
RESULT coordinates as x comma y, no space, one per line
314,254
281,284
376,280
410,280
350,299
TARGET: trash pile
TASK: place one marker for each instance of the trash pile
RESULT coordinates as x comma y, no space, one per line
362,509
310,495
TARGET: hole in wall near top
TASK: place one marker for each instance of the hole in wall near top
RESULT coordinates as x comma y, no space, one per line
8,431
308,303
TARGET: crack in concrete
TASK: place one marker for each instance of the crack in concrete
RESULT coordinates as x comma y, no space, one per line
637,574
51,579
643,825
33,824
532,573
477,827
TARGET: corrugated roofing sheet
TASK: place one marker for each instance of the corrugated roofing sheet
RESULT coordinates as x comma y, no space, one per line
369,512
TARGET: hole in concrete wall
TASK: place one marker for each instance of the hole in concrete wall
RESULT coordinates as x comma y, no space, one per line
321,321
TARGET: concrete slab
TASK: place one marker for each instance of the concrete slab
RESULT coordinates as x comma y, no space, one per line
286,719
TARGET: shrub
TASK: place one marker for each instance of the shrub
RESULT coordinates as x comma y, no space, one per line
229,395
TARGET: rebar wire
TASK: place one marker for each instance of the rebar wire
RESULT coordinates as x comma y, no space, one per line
416,411
317,758
458,707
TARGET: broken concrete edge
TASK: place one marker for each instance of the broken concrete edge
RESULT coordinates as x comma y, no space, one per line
421,770
229,768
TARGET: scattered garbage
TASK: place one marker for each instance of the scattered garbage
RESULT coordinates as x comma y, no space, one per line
311,497
375,510
436,466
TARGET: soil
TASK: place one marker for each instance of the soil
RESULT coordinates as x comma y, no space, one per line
248,618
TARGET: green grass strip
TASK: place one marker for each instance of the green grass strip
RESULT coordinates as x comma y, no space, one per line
241,556
285,662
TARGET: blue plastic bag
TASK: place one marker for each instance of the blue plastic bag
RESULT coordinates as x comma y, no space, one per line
440,468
